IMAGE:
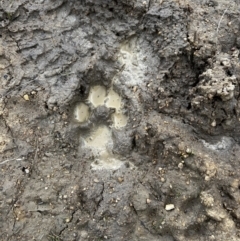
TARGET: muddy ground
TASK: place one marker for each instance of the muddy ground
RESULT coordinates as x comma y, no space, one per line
120,120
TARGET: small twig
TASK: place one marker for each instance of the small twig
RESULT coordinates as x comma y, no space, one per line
222,18
14,159
35,159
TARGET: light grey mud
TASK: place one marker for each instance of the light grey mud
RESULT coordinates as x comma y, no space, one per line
119,120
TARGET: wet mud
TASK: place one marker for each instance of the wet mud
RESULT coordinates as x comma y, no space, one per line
119,120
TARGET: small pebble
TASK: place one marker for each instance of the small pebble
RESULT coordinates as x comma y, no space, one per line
180,166
207,178
26,97
185,156
214,123
120,180
169,207
67,220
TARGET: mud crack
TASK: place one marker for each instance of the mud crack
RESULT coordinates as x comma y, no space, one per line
101,199
140,221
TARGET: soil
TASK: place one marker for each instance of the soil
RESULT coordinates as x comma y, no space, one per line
120,120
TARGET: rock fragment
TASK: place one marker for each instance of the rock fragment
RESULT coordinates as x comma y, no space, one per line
169,207
26,97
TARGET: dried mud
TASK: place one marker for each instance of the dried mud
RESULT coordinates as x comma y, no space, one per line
119,120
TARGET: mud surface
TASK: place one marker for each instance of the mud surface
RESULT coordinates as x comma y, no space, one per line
119,120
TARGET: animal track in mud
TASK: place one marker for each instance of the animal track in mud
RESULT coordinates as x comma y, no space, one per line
97,108
99,96
99,138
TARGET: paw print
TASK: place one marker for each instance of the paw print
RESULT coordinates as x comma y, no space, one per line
104,110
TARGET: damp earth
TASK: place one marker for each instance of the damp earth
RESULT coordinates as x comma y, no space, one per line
120,120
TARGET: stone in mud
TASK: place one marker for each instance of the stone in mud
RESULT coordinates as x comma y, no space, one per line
26,97
169,207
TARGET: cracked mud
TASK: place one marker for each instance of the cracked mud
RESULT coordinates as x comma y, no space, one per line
119,120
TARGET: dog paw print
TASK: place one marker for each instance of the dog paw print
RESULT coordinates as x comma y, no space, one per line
105,110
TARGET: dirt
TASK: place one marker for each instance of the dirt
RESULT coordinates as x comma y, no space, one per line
119,120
